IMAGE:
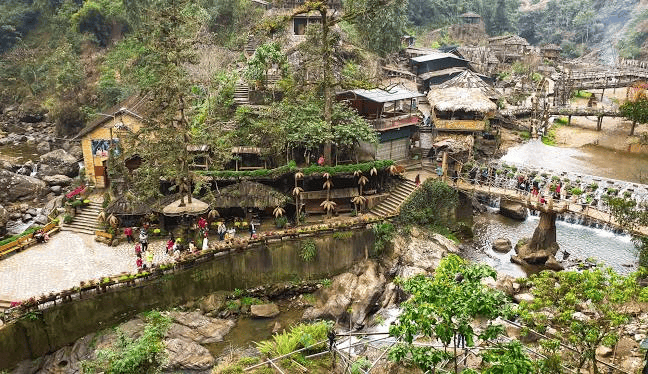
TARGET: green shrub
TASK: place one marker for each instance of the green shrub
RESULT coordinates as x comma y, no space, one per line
561,120
593,186
360,366
308,250
67,219
281,222
612,191
299,336
576,191
432,204
383,234
342,235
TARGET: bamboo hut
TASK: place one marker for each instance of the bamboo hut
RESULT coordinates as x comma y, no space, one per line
247,195
459,109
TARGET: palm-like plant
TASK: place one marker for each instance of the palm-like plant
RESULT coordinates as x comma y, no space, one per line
101,217
278,212
113,221
357,173
361,182
213,214
393,169
358,201
328,205
373,171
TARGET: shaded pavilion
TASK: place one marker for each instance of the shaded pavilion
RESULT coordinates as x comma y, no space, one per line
239,198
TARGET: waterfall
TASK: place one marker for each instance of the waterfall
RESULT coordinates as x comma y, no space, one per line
34,170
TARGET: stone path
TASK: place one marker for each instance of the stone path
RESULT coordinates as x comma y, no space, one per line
67,259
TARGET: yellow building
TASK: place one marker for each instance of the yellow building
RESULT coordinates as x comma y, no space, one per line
104,133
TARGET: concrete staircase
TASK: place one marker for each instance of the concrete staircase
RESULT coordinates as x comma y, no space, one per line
85,221
391,206
4,304
241,94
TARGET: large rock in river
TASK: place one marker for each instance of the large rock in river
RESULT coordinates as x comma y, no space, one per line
15,187
513,210
187,355
58,162
352,296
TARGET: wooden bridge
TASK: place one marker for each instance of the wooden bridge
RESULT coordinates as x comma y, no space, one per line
568,112
550,206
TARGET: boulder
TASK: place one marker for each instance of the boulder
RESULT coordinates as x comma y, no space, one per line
523,297
58,162
43,147
76,151
14,187
553,264
187,355
199,328
604,351
57,180
513,210
7,165
502,245
351,297
56,189
31,112
213,302
264,310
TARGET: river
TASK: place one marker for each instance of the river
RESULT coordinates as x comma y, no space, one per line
581,242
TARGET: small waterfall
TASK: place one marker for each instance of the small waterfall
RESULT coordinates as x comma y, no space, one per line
34,170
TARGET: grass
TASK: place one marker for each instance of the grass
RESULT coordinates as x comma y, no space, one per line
561,120
583,94
299,336
550,137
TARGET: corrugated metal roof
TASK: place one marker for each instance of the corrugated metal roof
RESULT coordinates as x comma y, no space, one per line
436,56
381,96
135,106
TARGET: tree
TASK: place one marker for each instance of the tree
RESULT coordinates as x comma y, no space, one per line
379,32
264,57
443,308
584,308
162,141
432,204
635,108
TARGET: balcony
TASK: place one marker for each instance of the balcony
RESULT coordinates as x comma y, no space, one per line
395,122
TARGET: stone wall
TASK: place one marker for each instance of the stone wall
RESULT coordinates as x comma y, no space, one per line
35,335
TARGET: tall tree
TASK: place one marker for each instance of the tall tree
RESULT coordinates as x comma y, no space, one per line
380,32
168,35
635,108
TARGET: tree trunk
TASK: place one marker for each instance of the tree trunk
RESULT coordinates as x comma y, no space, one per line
632,129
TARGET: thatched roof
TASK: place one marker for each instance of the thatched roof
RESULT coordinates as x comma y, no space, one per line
248,194
128,205
196,207
469,79
455,99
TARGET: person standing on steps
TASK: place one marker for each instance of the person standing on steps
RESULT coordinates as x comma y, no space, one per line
128,232
417,180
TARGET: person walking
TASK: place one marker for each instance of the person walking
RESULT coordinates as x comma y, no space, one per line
417,180
192,247
143,236
222,230
138,249
138,262
252,229
128,232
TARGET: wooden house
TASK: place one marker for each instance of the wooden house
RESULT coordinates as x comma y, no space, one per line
393,114
550,51
509,48
103,134
437,67
470,18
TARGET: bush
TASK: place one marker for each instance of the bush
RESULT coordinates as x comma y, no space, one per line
384,234
67,219
299,336
576,191
432,204
593,186
281,222
308,250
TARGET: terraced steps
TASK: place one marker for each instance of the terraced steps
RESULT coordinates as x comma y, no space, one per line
241,94
85,221
391,206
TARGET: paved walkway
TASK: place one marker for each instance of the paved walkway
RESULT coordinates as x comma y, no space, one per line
64,261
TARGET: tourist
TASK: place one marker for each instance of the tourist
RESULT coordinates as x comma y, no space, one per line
520,183
417,180
45,236
38,235
192,246
252,229
321,161
138,249
543,200
205,243
222,230
557,193
143,236
138,262
169,245
128,232
149,258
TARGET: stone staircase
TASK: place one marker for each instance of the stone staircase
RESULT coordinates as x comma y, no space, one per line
85,221
241,94
4,304
251,46
391,206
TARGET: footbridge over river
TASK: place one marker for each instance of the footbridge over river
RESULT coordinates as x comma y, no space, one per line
550,206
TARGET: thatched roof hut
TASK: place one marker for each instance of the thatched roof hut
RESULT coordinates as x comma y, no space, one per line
128,205
195,208
459,99
248,194
469,79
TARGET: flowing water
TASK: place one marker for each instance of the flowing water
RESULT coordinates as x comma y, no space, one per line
590,160
581,242
20,153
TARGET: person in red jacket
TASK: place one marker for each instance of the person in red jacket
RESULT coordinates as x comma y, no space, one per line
128,232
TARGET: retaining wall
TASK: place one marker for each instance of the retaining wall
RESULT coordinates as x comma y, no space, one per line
35,334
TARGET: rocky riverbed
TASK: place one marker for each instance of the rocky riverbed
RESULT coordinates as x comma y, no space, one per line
28,184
